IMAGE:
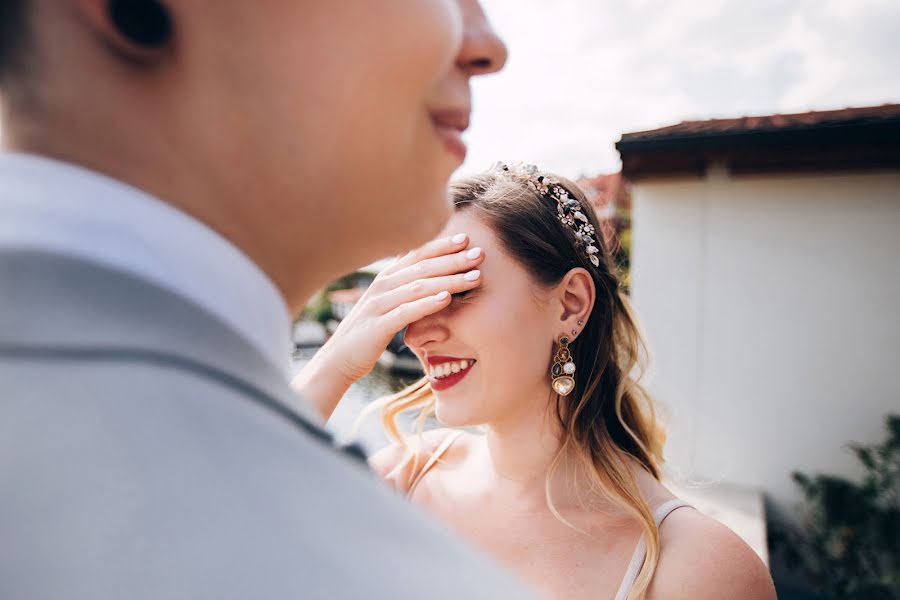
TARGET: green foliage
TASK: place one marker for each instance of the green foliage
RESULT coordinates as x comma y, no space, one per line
848,544
318,308
351,280
622,248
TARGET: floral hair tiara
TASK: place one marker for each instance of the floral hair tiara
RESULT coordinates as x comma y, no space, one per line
568,209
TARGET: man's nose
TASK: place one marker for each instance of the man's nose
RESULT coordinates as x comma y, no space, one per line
482,50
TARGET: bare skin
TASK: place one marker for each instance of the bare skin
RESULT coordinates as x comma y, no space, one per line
491,488
311,153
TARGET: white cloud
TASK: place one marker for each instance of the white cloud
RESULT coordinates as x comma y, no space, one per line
581,72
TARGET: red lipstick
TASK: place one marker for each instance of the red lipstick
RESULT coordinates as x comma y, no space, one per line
447,381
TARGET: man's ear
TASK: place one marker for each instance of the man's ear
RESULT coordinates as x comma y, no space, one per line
576,295
139,30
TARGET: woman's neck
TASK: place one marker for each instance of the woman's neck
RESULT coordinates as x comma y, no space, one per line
521,450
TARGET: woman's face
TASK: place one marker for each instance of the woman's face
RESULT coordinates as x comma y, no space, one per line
505,326
357,105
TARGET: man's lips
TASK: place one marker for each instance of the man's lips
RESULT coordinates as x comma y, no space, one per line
449,125
454,119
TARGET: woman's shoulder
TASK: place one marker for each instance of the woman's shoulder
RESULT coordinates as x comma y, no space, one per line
703,559
398,464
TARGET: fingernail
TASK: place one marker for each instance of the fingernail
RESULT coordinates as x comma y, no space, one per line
459,238
472,275
473,253
441,296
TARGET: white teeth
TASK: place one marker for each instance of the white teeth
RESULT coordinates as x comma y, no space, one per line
444,369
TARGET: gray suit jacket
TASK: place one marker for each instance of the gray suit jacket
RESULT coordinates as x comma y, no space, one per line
147,451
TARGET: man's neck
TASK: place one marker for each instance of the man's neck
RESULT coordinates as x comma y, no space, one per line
297,274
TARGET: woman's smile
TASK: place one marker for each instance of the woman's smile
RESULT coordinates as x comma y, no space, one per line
446,371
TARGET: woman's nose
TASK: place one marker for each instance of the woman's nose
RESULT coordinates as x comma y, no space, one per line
482,50
425,331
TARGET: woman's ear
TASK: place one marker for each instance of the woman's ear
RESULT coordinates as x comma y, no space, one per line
138,30
576,295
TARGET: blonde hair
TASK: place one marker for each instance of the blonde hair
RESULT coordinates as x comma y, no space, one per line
609,419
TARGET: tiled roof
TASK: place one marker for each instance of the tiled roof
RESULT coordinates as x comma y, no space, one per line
870,115
850,139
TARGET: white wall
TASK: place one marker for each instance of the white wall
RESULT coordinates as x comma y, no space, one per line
772,306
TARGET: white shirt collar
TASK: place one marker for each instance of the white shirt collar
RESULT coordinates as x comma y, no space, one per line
63,208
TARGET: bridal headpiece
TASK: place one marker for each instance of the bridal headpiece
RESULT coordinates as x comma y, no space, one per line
569,210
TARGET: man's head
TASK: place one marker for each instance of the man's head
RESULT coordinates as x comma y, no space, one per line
12,35
316,135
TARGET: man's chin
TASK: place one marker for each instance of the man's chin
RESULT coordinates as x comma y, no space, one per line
421,228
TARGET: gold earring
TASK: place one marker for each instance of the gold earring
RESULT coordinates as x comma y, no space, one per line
563,369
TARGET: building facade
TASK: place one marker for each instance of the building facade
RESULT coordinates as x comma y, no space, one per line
766,270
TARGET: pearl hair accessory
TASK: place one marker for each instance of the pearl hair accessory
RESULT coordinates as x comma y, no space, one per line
568,208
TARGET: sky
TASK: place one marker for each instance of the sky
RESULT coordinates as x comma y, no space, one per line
582,72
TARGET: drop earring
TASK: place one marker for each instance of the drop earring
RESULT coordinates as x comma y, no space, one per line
563,369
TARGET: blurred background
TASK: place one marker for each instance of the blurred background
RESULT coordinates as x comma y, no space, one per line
746,159
582,72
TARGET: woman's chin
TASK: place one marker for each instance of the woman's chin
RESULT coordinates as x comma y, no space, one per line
454,416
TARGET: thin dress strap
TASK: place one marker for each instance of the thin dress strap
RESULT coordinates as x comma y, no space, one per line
640,552
432,460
